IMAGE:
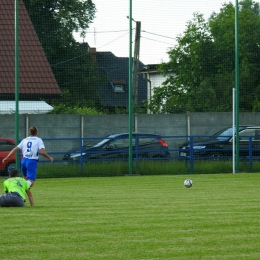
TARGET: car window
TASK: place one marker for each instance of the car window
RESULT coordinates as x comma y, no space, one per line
122,143
244,135
6,146
143,140
257,135
226,134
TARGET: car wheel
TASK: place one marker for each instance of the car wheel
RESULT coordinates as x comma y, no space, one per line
157,156
215,156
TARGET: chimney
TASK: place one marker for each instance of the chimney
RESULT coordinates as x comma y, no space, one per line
93,53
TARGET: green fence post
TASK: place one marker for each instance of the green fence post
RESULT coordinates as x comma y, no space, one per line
17,164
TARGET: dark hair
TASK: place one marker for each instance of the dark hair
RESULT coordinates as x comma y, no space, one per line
13,173
33,130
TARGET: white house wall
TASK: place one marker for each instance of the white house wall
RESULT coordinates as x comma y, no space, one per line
156,80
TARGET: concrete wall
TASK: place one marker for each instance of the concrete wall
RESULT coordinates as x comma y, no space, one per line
71,126
75,126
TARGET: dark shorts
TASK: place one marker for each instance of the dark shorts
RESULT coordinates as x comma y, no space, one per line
11,199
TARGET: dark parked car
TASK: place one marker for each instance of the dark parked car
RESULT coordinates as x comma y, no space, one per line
221,143
116,147
6,145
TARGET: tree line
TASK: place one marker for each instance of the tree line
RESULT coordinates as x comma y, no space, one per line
75,71
202,63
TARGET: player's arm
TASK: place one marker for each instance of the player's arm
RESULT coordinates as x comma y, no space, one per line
45,154
10,154
5,188
30,196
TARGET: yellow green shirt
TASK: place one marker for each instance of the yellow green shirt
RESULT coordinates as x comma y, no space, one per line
17,184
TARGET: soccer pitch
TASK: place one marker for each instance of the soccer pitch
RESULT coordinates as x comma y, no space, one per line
136,217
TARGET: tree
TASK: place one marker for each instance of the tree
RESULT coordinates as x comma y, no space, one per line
203,61
73,67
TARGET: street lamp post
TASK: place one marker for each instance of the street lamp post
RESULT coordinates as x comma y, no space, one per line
136,62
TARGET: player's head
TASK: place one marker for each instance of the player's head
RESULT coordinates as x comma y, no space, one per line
33,130
10,167
13,173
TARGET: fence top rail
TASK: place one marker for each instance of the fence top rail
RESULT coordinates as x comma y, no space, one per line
162,136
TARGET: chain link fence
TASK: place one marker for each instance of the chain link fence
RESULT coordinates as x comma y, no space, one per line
72,57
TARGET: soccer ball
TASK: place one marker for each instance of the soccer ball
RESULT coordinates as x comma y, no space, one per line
188,183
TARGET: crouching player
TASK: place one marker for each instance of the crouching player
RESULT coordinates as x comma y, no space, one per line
15,189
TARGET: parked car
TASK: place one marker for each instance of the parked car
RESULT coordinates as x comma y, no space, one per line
220,144
116,147
6,145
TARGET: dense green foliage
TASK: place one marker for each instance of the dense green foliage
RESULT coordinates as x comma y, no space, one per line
73,67
203,64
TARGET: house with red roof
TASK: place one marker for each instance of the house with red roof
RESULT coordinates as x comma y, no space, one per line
36,79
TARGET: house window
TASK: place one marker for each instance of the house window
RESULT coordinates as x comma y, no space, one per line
119,88
118,85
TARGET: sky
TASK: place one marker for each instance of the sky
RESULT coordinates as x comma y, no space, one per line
161,22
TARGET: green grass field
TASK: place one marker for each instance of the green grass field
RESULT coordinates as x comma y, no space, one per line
136,217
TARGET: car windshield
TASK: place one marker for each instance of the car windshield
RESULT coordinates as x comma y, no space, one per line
226,134
101,142
95,142
98,142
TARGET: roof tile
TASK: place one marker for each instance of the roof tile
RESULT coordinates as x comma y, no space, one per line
35,74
